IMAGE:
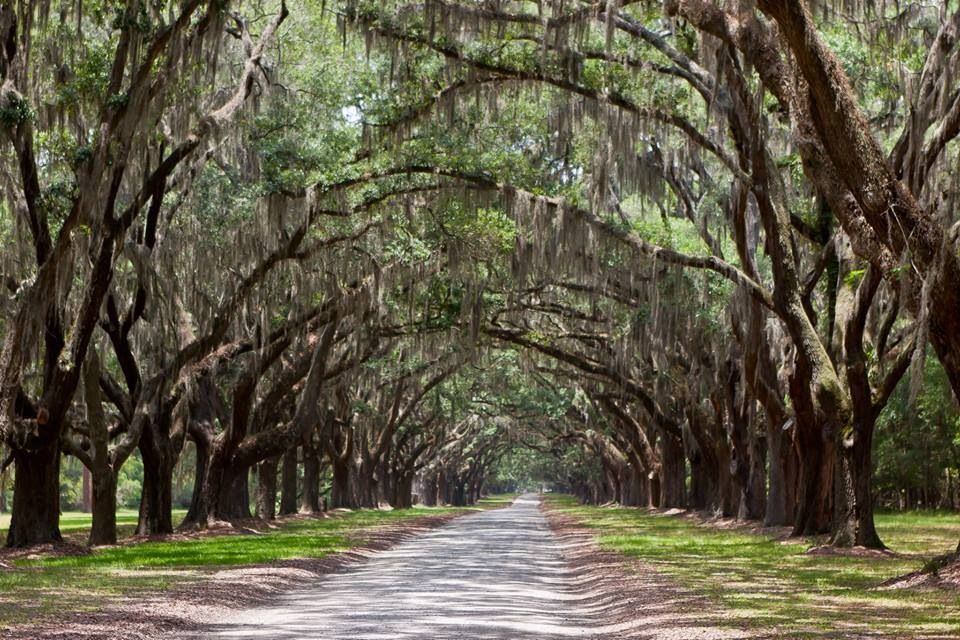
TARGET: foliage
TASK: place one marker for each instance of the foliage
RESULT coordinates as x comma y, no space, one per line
917,447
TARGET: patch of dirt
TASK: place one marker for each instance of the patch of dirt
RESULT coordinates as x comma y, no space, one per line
850,552
187,607
940,573
638,600
38,552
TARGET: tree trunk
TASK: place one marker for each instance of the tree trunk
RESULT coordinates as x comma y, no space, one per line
199,482
103,529
753,501
775,514
340,497
635,491
700,483
815,448
853,523
815,497
428,490
386,485
458,497
36,497
234,503
288,483
156,501
310,503
672,473
86,491
3,490
403,491
267,488
442,488
366,486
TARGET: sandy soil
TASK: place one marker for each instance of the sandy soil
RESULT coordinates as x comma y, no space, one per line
491,575
635,600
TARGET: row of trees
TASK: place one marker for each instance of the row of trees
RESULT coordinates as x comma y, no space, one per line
187,257
671,246
807,252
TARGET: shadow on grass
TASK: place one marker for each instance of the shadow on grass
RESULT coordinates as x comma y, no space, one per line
768,582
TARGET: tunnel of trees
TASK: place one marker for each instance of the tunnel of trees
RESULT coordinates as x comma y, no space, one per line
682,254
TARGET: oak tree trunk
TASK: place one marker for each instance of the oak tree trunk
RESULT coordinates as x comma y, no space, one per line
775,514
310,502
103,529
853,523
288,483
267,488
156,503
672,473
340,497
35,517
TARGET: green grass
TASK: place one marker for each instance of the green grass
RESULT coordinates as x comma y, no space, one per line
75,525
768,583
54,585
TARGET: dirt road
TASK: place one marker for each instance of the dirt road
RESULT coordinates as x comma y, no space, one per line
491,575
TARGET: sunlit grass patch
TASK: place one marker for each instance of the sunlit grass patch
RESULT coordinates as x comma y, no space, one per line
772,583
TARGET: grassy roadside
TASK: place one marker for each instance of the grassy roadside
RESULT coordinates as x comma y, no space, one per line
768,583
47,586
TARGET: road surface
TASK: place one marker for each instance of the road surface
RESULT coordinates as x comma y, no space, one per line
490,575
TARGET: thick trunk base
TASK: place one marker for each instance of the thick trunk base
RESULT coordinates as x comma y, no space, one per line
288,483
103,529
36,498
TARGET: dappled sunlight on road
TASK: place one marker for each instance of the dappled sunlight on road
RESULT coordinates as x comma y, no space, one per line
497,574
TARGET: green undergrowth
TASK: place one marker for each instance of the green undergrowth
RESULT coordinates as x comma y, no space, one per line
768,583
47,586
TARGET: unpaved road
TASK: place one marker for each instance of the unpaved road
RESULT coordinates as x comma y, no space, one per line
491,575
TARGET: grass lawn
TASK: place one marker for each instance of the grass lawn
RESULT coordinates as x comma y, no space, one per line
769,583
75,525
49,586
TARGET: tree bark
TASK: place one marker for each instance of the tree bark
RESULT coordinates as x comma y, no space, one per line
815,488
403,491
366,486
853,523
340,497
267,488
235,503
428,490
36,497
156,502
199,480
103,529
776,514
634,493
310,502
288,482
672,473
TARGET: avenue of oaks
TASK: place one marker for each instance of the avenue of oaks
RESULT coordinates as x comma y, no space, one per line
681,254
